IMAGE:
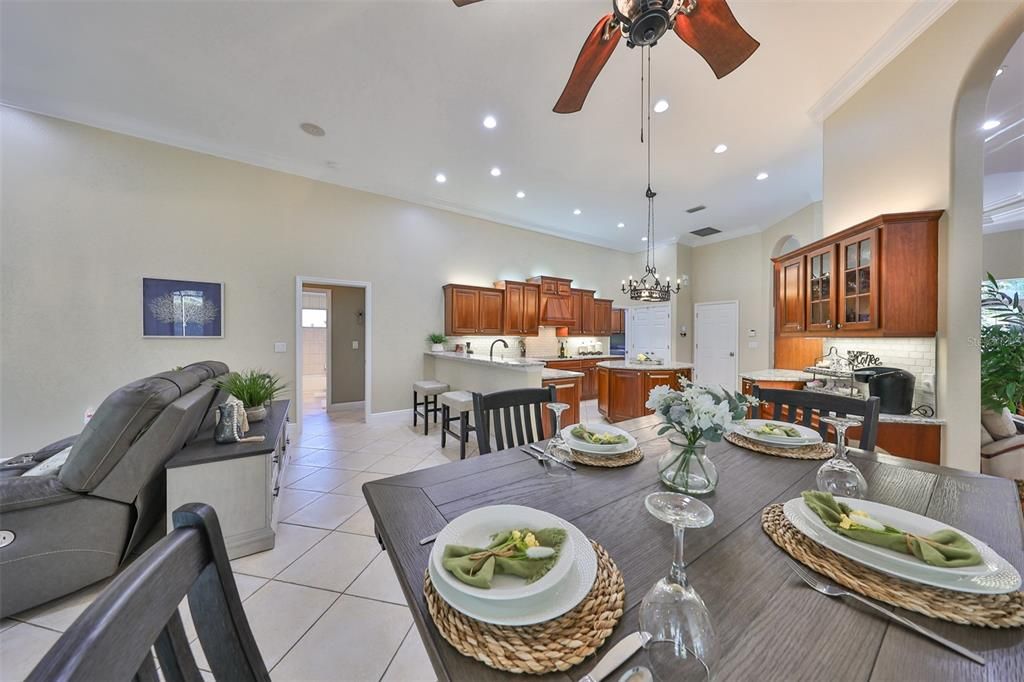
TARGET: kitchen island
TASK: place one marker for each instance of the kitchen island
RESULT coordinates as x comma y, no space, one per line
623,385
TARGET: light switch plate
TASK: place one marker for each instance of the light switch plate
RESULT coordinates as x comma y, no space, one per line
280,347
355,345
752,344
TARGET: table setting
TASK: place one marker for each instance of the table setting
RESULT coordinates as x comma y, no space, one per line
532,583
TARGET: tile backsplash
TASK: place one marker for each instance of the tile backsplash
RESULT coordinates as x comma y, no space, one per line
544,345
916,356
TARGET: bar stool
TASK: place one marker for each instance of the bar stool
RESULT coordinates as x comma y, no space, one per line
427,388
461,403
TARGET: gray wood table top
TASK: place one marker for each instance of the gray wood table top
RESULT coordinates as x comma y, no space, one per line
769,624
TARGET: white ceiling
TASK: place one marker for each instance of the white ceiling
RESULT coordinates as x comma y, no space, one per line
401,88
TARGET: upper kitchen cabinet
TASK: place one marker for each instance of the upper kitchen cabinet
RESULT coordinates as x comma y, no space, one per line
878,278
602,317
522,307
470,310
555,301
618,321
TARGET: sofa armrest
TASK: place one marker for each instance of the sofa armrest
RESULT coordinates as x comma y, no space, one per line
25,492
1018,421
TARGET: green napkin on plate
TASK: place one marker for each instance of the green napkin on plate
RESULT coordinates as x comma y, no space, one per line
945,548
506,554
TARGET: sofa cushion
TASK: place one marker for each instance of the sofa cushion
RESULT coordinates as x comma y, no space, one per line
999,447
986,437
999,424
51,465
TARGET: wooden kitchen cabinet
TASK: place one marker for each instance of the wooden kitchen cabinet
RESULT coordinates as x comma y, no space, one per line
858,282
522,308
602,317
589,369
820,289
555,301
618,320
583,311
789,287
625,389
653,379
602,389
470,310
566,391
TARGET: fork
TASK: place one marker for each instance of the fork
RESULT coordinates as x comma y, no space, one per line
830,589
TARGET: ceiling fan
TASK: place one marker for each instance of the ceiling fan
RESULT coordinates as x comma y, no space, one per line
708,26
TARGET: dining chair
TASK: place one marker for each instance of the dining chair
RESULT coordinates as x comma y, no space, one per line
136,615
515,415
791,406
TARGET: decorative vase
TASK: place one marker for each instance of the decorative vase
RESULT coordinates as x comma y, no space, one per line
687,468
437,348
256,414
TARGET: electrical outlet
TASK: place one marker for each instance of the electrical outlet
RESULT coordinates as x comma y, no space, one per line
355,345
280,347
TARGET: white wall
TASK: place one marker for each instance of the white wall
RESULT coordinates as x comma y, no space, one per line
86,213
1003,254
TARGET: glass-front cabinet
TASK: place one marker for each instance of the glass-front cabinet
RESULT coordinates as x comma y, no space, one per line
858,282
821,301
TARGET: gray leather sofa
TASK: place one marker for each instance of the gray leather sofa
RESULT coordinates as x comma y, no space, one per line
78,526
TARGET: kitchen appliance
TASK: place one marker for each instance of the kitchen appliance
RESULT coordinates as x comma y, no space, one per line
893,386
617,344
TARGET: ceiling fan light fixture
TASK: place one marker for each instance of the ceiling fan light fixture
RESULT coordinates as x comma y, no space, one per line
644,22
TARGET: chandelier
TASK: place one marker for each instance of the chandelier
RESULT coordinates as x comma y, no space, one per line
649,288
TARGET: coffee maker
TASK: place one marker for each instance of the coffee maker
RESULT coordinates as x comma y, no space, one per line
893,386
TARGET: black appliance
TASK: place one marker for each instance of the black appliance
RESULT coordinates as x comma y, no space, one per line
617,345
893,386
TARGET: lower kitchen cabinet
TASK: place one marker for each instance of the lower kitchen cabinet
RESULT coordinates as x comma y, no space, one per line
602,390
566,391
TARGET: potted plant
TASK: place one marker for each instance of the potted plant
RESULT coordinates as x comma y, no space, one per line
1002,349
698,415
437,342
255,388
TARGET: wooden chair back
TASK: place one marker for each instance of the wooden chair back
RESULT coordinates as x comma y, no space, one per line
513,418
135,621
806,408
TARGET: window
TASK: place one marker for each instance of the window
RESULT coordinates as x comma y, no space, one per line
311,317
1008,287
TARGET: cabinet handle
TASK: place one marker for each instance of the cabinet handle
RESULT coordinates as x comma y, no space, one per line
563,385
839,325
277,459
277,489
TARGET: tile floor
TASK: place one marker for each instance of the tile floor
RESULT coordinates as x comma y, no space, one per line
324,604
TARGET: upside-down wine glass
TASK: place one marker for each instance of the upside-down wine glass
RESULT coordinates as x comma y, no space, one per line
683,645
557,449
839,475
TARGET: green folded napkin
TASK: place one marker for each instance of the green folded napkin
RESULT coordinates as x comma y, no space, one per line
945,548
477,566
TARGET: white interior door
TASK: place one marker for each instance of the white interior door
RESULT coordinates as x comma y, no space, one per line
716,343
649,331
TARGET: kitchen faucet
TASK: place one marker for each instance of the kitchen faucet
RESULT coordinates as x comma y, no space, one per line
497,341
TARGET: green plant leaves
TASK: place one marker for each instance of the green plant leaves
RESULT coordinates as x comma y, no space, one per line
254,387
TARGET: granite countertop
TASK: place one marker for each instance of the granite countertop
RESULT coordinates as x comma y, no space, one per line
549,374
909,419
777,375
522,364
571,358
645,366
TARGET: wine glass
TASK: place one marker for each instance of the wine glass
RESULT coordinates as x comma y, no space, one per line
838,475
683,645
557,449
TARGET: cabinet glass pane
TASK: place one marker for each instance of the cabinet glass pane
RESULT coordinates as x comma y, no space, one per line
851,282
864,308
851,256
815,266
826,288
815,290
851,310
826,263
865,280
865,252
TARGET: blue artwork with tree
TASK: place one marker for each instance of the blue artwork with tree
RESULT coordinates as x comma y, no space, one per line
182,309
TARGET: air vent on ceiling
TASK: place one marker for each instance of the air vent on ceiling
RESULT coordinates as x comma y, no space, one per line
705,232
697,208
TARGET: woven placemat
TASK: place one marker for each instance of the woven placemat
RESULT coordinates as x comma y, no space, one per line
989,610
623,460
555,645
819,451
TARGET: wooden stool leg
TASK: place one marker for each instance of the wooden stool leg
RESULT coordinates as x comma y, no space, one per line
463,433
426,415
415,405
444,424
435,408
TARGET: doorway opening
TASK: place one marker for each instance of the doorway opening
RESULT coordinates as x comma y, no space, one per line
716,332
332,348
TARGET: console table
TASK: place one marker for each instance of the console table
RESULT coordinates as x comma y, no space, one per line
240,481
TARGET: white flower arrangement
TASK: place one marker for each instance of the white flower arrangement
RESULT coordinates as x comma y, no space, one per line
698,412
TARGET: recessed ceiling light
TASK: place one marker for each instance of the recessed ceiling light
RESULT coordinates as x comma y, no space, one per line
1000,70
495,171
762,176
990,124
490,122
720,149
440,177
520,194
622,224
576,211
643,239
661,106
312,129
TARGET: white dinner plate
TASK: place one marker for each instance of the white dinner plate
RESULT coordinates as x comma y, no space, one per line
475,528
599,450
994,576
539,608
808,436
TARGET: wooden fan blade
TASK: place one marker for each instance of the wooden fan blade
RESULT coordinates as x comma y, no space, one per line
714,33
593,56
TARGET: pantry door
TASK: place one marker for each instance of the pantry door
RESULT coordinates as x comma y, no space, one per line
716,343
649,331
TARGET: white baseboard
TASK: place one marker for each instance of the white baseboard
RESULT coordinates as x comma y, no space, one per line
380,416
346,407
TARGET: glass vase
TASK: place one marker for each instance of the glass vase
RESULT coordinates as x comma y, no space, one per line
687,468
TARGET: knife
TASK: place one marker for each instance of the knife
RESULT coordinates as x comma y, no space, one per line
427,540
616,656
567,465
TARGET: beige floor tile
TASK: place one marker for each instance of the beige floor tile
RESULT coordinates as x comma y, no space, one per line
357,461
328,511
354,486
293,499
320,458
7,623
323,480
334,563
437,458
382,447
246,586
411,663
392,464
357,636
293,472
60,613
351,442
360,523
378,581
422,447
290,543
22,647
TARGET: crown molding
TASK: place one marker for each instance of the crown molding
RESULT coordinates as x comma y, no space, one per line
901,34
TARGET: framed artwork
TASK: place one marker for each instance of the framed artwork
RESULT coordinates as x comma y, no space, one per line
180,309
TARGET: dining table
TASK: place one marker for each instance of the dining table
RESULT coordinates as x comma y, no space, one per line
770,624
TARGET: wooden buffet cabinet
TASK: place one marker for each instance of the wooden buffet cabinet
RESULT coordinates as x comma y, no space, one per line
878,278
622,392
